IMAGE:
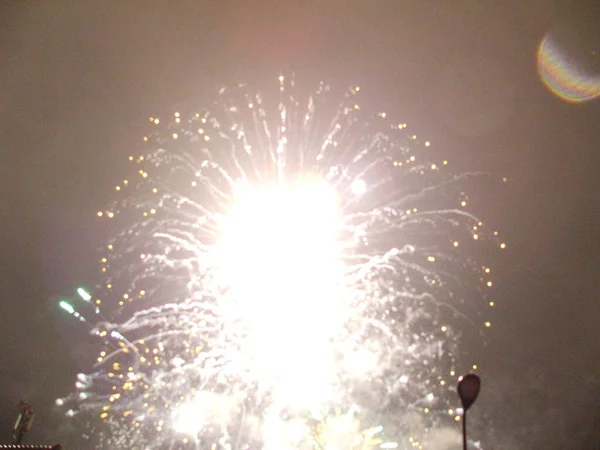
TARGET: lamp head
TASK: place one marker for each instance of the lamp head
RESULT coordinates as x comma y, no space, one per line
468,389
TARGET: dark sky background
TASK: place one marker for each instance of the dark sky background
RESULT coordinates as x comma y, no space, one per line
79,79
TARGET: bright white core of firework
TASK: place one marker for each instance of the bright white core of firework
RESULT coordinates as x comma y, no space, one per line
203,409
359,187
279,256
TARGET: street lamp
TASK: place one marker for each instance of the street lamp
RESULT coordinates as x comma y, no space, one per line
468,389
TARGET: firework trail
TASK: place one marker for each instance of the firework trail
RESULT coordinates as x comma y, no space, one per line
287,273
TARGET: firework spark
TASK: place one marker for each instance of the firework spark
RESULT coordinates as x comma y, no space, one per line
283,275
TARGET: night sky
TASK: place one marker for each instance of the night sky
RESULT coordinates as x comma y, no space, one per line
79,80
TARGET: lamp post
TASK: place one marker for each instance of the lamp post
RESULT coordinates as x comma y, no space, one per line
468,389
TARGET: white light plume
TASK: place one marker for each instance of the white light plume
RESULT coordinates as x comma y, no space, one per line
280,257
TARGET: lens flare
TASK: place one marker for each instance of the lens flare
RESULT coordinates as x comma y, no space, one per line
563,75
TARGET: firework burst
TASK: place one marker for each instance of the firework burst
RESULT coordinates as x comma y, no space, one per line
285,273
